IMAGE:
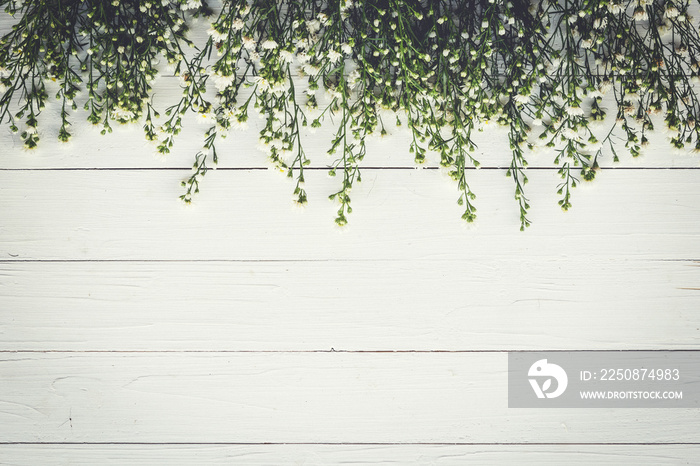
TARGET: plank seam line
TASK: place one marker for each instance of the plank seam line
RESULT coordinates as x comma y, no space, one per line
370,168
362,443
9,261
333,350
397,261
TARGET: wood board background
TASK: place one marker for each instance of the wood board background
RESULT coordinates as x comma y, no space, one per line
240,330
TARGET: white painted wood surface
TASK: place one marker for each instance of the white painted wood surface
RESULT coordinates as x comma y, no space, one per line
322,455
240,330
299,398
398,214
419,305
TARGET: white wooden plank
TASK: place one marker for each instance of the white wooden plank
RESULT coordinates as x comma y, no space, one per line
298,397
127,148
397,215
374,305
322,455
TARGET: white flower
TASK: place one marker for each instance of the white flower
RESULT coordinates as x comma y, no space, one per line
333,56
190,5
279,88
521,99
4,72
216,35
249,43
346,49
310,69
286,56
286,155
313,26
665,27
301,44
263,84
122,115
269,45
615,8
574,111
536,122
264,146
570,134
237,24
238,123
222,82
333,94
640,14
671,12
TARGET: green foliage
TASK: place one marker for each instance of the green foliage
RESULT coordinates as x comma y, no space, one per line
443,68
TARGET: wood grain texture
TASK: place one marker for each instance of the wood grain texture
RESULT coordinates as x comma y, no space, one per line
404,305
291,397
350,455
397,215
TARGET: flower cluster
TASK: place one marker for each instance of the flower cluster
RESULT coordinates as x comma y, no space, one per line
442,69
106,50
